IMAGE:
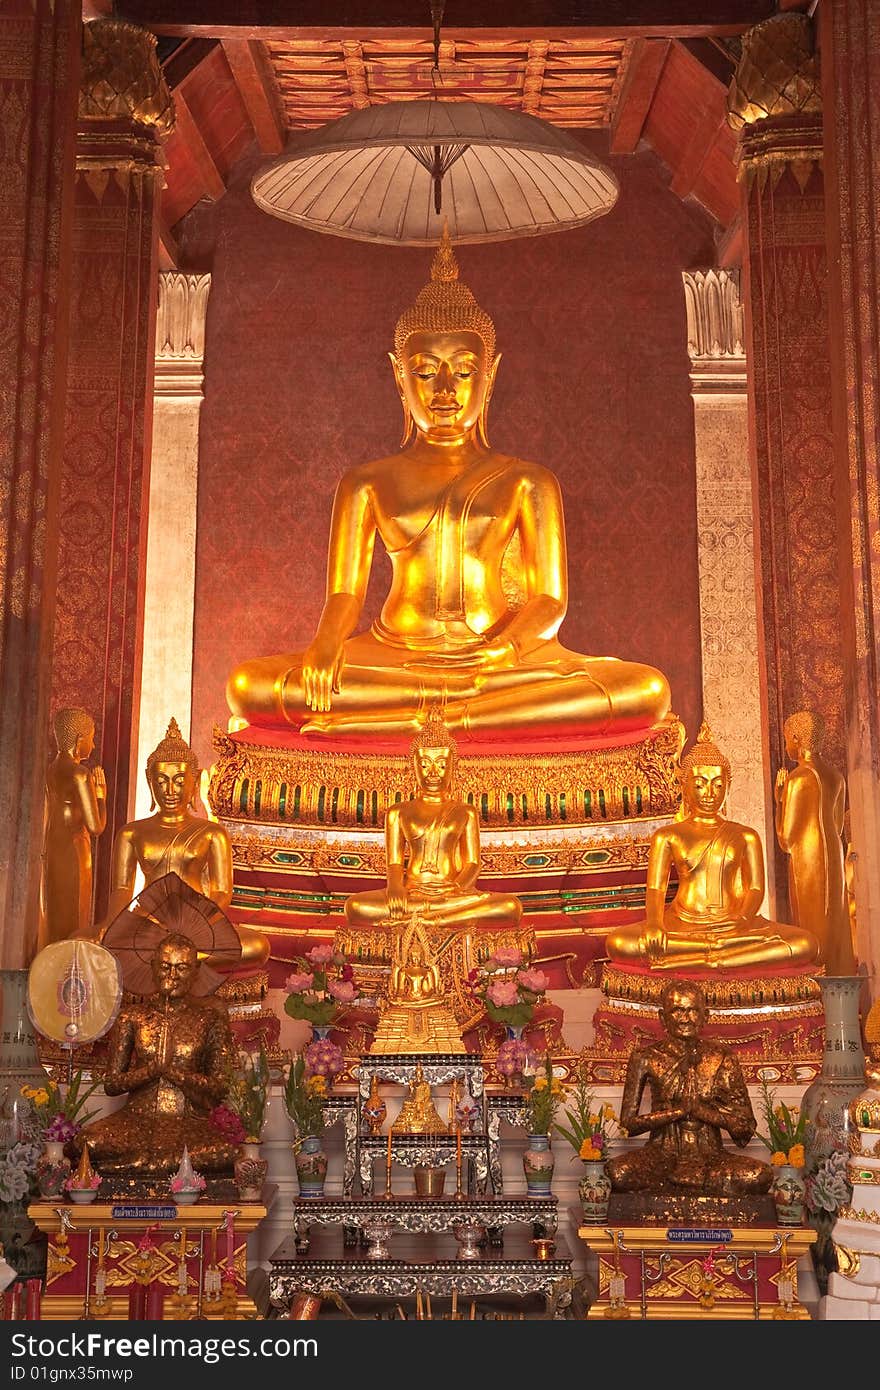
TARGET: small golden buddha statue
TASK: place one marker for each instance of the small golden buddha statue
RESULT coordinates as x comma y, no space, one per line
479,584
418,1114
171,1054
432,855
810,807
696,1091
173,840
76,809
713,920
416,1017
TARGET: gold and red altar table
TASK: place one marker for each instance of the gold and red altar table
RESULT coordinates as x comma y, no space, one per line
733,1272
138,1245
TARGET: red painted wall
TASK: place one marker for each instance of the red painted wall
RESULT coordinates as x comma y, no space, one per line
593,384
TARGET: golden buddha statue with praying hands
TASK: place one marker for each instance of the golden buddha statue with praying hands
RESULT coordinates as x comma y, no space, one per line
479,580
713,920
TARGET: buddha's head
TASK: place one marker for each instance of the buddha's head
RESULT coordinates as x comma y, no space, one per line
682,1009
705,775
434,753
803,733
172,773
74,733
444,358
174,964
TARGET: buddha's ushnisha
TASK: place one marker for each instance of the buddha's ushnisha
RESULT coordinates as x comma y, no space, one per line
479,583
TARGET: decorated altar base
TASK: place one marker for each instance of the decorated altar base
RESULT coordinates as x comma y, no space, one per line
139,1247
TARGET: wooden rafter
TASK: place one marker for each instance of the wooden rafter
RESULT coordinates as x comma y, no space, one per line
637,92
187,130
255,81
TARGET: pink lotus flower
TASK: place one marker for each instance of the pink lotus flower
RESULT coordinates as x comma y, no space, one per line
506,956
343,991
298,983
503,994
534,980
321,955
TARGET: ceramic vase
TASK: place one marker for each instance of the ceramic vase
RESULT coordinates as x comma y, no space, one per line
250,1171
52,1169
826,1101
311,1167
788,1194
538,1164
82,1195
594,1190
186,1197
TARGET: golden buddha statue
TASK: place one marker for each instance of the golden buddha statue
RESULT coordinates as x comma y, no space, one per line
171,1054
432,856
416,1017
173,840
696,1091
418,1114
76,809
479,580
810,807
713,920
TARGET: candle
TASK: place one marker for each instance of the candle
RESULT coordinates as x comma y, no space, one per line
102,1248
32,1301
388,1159
230,1242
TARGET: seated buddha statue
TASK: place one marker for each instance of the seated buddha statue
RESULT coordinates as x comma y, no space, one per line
713,921
432,855
173,840
418,1114
478,591
170,1053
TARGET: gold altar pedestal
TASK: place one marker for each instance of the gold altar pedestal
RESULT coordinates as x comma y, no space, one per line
728,1273
78,1233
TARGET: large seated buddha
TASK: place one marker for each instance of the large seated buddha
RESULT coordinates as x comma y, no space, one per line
479,577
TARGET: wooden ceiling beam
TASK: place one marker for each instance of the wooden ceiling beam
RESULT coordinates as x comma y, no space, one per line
729,247
534,18
639,86
168,250
706,131
255,80
186,128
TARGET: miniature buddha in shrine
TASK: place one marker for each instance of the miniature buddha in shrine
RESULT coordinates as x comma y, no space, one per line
479,579
173,840
696,1091
432,852
170,1053
713,921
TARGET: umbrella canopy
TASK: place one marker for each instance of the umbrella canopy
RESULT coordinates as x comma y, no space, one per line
395,173
169,905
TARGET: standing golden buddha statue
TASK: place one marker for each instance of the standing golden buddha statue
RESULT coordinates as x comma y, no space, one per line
810,807
173,840
713,921
76,809
479,583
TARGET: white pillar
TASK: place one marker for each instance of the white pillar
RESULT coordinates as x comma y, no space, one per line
166,685
728,613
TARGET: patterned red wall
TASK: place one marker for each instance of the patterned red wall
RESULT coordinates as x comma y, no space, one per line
594,384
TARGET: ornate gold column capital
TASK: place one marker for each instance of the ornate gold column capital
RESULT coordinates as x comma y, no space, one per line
775,98
121,79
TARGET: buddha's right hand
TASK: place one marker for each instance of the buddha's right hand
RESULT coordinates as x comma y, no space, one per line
321,669
654,942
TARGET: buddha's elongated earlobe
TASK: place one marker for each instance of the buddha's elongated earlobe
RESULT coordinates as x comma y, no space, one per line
483,422
408,422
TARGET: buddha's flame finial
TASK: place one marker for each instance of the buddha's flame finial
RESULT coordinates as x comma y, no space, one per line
444,266
173,749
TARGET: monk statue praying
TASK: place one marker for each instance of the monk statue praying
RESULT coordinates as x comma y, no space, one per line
479,583
713,921
696,1091
432,850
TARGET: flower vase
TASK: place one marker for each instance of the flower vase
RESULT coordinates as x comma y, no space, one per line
320,1030
250,1171
52,1169
788,1192
538,1164
311,1167
826,1101
82,1195
594,1190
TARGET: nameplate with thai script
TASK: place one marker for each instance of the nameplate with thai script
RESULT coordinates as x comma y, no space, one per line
708,1235
144,1213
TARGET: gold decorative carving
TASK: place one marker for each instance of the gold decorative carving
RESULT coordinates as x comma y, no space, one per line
851,1214
265,784
121,79
849,1262
720,993
778,72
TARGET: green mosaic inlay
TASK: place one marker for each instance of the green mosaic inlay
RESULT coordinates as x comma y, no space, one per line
282,801
243,796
